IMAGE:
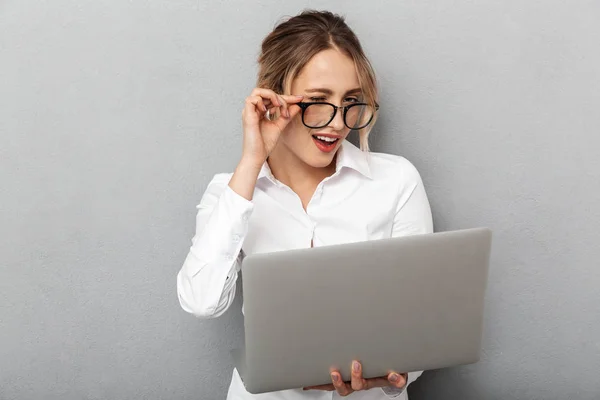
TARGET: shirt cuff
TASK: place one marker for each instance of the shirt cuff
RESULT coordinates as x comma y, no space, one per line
238,204
392,392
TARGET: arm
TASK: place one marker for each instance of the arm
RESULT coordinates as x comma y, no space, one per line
207,280
413,213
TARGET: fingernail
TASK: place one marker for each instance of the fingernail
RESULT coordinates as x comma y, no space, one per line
394,378
335,377
299,96
356,366
287,113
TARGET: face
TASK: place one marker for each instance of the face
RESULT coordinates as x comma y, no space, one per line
329,76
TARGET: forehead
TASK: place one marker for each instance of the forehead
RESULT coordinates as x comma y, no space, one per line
327,69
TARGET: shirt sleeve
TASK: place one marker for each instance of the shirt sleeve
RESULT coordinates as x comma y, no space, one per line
207,280
413,213
412,217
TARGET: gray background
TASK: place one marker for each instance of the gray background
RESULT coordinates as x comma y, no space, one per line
114,115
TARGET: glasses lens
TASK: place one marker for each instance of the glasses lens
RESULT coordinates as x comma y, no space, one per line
318,115
358,116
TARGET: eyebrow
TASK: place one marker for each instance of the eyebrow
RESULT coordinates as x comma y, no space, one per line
329,92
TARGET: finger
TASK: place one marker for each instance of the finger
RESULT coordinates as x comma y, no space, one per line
286,101
257,102
291,99
267,94
273,99
396,379
278,104
357,381
381,381
340,386
282,106
283,122
249,113
267,103
294,110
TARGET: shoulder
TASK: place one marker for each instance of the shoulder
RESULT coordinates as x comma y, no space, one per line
393,168
398,176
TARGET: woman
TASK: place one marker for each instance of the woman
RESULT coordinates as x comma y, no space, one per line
300,183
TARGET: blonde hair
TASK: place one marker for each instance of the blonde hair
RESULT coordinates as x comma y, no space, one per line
289,47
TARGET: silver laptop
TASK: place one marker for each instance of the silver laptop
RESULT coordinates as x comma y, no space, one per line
406,304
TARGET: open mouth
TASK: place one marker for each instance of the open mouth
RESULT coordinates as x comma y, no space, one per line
326,139
325,143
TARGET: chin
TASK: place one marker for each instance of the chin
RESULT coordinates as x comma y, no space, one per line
322,160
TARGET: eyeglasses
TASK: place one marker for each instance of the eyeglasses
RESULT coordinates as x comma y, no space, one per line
319,114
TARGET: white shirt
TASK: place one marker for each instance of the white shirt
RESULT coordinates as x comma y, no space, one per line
370,196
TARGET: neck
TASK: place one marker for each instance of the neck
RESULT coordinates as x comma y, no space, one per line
295,173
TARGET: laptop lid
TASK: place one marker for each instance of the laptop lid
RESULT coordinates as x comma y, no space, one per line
408,304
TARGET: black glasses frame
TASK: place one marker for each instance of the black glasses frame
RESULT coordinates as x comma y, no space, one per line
304,106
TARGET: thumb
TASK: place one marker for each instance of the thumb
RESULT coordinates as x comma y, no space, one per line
294,110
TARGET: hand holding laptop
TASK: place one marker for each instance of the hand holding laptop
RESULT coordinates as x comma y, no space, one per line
393,379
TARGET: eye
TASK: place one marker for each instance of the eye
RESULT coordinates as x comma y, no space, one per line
321,98
351,100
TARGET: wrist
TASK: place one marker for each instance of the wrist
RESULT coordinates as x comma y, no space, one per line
250,165
244,179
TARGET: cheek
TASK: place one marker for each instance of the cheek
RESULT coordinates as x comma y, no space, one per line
296,131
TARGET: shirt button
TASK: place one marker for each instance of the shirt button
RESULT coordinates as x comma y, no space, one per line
236,238
245,217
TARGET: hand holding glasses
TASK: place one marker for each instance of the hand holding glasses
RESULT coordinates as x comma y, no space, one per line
266,114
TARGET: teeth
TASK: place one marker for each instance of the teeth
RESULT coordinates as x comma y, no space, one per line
326,139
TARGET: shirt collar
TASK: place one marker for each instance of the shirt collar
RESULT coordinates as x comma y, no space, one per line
348,156
265,172
352,157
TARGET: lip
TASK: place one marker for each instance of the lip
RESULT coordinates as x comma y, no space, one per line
323,147
329,135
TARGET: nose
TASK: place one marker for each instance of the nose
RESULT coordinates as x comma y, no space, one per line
337,123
